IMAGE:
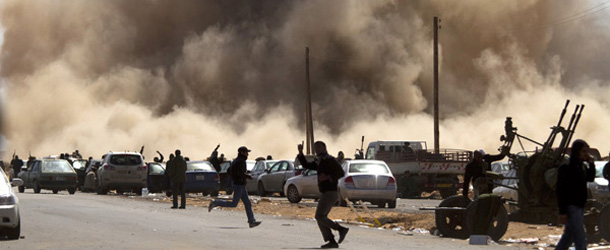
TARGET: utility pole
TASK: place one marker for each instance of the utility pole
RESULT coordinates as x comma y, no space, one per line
308,119
436,129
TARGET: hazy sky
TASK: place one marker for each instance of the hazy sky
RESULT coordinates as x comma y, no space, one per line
116,75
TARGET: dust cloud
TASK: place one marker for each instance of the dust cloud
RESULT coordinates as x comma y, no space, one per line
116,75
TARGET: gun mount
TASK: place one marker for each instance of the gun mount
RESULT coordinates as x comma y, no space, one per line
537,176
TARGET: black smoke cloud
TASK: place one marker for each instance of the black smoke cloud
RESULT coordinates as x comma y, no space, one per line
113,75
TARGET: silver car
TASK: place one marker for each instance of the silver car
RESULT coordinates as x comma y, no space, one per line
302,186
10,225
122,171
258,170
368,180
274,178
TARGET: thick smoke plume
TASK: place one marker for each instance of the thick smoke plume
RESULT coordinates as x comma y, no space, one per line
115,75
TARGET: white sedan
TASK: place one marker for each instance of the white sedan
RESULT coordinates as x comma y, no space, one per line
368,180
10,225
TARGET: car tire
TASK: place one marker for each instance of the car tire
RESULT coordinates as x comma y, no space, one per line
14,233
261,189
168,193
71,190
214,194
392,203
36,187
381,204
138,191
21,189
101,190
55,191
293,194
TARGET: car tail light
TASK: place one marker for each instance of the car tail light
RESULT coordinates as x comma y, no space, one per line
143,167
391,181
349,179
298,172
108,167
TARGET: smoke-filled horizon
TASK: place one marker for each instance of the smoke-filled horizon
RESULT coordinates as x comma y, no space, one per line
116,75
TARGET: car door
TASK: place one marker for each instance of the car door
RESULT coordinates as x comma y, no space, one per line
309,184
273,176
34,175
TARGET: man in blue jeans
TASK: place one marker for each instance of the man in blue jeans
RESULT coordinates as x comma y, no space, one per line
237,170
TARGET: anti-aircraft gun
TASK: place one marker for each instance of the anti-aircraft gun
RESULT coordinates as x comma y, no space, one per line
537,179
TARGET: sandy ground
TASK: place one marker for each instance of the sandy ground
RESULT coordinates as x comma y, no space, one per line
518,234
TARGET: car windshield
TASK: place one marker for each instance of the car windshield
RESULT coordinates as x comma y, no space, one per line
369,168
56,166
199,166
156,169
270,163
79,164
125,160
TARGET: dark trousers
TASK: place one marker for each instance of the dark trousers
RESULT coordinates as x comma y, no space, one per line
326,202
178,188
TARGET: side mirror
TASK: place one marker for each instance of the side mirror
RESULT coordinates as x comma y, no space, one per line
17,182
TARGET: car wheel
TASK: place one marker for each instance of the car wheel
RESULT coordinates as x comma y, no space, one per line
36,187
392,203
21,189
101,190
55,191
261,189
71,190
381,204
138,191
168,193
13,233
214,194
293,194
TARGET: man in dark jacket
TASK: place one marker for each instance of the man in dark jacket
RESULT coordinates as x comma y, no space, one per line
177,174
475,171
16,163
329,173
237,170
572,195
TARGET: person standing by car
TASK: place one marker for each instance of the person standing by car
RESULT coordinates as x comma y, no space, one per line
572,195
214,159
177,174
157,159
329,173
16,163
237,170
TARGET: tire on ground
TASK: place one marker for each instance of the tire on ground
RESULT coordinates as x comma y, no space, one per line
451,223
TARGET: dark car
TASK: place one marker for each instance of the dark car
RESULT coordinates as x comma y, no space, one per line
201,177
158,181
52,174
